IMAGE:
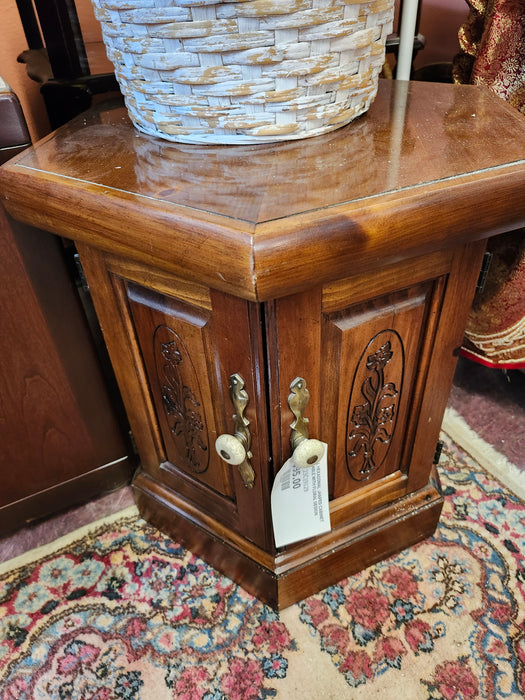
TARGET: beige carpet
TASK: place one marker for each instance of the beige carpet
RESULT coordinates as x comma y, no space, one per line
117,610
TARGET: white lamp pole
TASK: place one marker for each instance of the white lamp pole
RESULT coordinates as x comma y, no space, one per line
406,39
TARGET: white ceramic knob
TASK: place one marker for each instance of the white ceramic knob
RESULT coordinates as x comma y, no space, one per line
230,449
308,452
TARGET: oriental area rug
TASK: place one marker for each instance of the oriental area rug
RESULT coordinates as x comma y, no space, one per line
119,611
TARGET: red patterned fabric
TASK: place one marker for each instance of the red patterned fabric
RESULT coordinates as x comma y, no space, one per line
492,45
495,333
492,54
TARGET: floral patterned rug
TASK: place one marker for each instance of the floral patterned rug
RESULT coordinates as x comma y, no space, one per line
120,611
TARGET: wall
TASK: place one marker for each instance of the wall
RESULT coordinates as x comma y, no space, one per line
440,21
12,43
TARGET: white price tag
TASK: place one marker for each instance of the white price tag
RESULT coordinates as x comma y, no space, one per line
300,507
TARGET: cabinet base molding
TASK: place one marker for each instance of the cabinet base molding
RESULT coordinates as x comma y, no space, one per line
300,570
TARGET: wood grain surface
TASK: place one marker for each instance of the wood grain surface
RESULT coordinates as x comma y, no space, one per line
349,260
420,171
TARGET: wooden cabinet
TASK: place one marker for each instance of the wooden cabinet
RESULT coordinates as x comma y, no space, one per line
182,342
366,346
368,360
258,265
61,440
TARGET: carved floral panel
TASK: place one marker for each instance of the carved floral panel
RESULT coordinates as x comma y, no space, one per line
373,404
181,399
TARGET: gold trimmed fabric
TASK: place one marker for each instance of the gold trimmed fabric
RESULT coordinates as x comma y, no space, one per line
492,42
495,333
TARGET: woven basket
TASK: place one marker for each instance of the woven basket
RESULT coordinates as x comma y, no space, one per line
245,71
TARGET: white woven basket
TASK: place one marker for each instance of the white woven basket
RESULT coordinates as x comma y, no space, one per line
245,71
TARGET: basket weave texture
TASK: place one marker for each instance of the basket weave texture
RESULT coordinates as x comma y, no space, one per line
245,71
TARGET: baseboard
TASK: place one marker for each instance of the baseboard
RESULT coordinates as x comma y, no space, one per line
80,489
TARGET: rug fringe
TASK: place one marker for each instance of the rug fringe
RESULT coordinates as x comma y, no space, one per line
42,551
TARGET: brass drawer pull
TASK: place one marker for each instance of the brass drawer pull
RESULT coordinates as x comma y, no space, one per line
235,449
306,451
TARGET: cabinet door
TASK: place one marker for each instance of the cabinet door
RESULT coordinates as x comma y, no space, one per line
377,353
174,345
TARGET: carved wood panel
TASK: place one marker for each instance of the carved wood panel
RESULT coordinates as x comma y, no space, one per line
181,399
368,386
365,363
374,404
174,344
175,341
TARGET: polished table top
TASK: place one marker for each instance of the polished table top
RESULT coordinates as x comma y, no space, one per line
429,165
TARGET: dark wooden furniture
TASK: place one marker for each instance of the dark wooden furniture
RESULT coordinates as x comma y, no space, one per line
60,60
61,442
349,260
14,135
